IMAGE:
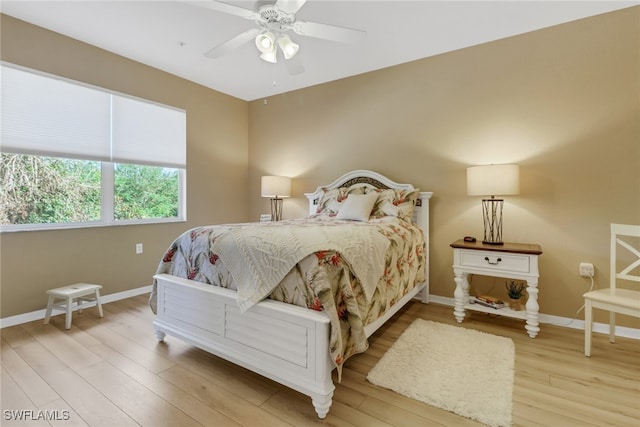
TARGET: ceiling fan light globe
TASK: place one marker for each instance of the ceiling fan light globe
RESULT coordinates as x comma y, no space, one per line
270,56
265,42
288,47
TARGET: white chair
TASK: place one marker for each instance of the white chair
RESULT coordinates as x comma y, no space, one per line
614,299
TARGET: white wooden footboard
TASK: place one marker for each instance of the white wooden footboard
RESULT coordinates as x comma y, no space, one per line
285,343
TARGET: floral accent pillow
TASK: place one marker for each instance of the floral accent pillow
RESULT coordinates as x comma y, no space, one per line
331,200
398,203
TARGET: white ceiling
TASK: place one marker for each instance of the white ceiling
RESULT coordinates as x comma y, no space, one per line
174,35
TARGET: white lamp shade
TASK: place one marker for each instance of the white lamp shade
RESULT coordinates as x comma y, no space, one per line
493,180
276,186
288,48
265,42
270,56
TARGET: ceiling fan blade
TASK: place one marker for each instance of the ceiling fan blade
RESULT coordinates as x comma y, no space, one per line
225,8
290,6
233,43
329,32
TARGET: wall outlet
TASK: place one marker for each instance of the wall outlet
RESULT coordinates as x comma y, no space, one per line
139,248
586,269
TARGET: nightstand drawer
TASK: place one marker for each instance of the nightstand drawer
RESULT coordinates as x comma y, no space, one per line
496,261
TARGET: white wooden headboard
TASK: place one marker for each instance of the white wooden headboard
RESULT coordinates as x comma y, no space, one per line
375,180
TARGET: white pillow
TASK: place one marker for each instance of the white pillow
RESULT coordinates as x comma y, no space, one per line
357,207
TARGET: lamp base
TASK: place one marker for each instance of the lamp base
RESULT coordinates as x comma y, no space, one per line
487,242
276,209
492,216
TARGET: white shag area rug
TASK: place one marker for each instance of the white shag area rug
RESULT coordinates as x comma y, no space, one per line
467,372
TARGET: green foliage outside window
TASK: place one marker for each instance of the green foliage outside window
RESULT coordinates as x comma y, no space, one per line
45,190
41,190
145,192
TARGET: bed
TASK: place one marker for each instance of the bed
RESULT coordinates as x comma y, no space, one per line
297,338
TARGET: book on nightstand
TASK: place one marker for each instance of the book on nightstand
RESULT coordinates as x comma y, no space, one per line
487,301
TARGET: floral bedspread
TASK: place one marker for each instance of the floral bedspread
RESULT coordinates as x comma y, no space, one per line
322,281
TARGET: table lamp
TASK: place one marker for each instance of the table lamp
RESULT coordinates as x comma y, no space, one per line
276,187
493,180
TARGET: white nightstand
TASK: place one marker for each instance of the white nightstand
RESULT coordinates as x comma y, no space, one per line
511,261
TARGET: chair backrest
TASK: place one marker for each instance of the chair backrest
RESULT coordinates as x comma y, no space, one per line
618,232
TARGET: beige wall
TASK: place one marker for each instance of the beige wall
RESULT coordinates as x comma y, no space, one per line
563,103
217,143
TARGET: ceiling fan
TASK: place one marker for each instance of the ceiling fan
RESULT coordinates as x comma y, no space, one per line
273,22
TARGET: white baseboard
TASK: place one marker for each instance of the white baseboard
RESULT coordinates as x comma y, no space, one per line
543,318
39,314
565,322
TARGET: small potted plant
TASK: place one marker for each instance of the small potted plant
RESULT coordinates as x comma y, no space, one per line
515,290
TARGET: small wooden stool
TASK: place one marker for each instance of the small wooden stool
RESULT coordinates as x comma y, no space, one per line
85,294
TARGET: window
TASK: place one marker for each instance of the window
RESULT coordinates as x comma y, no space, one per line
145,192
75,155
46,190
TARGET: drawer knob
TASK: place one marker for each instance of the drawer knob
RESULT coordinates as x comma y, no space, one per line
493,263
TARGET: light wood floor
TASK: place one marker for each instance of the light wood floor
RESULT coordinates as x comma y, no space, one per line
112,372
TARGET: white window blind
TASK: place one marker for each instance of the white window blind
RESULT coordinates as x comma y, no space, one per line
47,116
145,133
